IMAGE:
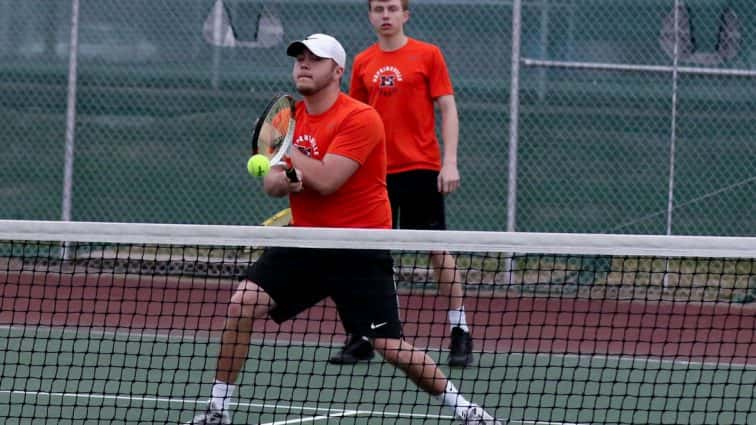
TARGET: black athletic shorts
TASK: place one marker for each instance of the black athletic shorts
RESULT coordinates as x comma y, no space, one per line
416,202
360,283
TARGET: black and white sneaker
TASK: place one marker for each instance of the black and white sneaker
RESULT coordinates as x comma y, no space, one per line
461,348
213,416
475,415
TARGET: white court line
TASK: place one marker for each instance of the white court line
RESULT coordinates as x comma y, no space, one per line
328,413
314,418
638,359
167,336
205,337
403,415
544,423
167,400
325,413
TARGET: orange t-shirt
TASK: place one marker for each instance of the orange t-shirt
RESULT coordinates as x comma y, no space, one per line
402,85
353,130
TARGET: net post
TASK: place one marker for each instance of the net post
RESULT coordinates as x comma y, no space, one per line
514,113
70,113
672,134
5,25
73,52
217,14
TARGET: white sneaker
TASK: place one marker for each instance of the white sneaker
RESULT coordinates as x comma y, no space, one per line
213,416
475,415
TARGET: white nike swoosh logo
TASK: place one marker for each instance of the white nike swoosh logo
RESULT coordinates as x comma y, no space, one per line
373,326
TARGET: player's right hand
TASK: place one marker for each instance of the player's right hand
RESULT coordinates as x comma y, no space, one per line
277,184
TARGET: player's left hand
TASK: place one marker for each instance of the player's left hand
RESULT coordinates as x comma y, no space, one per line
448,179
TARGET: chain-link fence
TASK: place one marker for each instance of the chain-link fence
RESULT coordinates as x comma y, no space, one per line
625,116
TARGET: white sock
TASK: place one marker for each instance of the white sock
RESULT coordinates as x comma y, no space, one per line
452,399
457,319
222,393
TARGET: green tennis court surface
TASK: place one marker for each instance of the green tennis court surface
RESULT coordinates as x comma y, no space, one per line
113,377
125,329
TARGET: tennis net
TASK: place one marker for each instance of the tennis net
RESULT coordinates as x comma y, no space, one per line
120,323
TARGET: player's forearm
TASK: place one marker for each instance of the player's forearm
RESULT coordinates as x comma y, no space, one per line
315,176
450,141
449,132
324,177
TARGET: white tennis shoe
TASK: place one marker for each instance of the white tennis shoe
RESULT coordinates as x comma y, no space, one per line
475,415
213,416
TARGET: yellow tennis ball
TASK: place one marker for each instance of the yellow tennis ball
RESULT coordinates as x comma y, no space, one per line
258,165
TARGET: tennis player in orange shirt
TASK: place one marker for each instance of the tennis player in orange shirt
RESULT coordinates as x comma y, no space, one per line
405,80
340,159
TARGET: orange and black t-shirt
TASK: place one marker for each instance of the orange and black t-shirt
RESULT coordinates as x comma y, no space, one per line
353,130
402,85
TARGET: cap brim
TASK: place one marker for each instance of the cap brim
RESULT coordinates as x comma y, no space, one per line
295,48
298,47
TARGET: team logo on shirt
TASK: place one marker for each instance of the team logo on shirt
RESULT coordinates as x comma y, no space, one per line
387,79
307,145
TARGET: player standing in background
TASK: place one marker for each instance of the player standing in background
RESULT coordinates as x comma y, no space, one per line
340,159
405,79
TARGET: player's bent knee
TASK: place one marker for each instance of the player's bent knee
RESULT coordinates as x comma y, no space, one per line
389,348
442,259
249,301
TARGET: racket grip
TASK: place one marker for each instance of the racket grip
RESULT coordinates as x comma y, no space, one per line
291,174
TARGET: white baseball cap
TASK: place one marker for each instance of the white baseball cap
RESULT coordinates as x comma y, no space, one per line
321,45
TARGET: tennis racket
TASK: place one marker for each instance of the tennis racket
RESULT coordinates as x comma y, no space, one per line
274,132
281,218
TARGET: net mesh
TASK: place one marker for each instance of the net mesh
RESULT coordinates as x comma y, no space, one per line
120,323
